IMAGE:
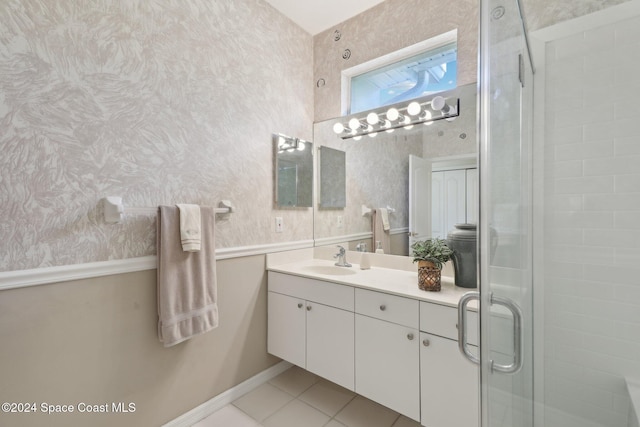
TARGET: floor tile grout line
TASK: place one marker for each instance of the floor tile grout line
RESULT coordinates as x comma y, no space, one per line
333,418
295,397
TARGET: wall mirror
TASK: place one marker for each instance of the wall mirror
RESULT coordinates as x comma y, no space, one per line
293,172
377,171
332,178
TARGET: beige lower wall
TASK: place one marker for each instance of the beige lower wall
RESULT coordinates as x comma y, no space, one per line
95,341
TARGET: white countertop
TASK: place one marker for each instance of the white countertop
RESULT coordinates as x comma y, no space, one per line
394,281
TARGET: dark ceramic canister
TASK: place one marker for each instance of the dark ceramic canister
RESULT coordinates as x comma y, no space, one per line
462,241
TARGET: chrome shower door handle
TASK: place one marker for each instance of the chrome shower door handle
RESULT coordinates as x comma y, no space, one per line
517,336
462,325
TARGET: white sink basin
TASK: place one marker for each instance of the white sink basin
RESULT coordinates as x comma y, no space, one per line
330,270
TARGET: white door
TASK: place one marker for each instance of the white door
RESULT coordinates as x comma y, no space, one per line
388,365
438,211
330,343
286,328
472,196
455,199
446,373
419,199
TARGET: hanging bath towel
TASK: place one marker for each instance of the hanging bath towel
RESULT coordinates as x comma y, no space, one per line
381,229
187,291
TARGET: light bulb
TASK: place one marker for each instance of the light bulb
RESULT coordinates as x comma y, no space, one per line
357,138
354,124
389,130
387,124
338,128
426,115
414,108
373,119
373,134
438,103
393,114
301,145
452,110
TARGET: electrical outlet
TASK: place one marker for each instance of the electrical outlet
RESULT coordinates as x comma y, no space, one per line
340,221
279,224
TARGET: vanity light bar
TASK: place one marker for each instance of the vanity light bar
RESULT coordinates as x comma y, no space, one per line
414,113
287,143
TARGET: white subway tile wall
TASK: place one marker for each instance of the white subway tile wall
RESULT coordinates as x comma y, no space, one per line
592,225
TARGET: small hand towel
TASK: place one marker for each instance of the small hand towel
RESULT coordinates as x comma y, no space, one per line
187,289
384,215
190,227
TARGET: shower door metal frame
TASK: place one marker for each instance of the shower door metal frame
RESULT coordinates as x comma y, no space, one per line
486,296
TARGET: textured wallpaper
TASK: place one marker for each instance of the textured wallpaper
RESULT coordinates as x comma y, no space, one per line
158,102
385,28
540,14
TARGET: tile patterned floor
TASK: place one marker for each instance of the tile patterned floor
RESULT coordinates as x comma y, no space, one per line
297,398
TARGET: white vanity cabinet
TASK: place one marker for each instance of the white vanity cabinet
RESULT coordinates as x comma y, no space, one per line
387,360
397,350
311,324
449,382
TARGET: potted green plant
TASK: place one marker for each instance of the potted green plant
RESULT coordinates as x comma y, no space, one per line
430,255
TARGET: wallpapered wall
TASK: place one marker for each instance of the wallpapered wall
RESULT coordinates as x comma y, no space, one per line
158,102
168,102
378,168
540,14
385,28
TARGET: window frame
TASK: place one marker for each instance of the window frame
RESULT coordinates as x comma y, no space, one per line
390,58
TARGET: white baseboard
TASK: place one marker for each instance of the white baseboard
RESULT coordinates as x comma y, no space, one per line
223,399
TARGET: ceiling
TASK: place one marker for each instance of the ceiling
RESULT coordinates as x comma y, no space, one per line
315,16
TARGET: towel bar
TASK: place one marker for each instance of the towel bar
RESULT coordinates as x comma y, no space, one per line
114,210
367,210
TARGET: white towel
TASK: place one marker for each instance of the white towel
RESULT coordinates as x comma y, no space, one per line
384,215
187,289
190,227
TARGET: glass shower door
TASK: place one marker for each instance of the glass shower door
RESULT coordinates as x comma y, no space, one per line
505,232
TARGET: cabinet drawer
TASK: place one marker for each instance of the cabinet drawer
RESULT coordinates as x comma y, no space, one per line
331,294
443,321
403,311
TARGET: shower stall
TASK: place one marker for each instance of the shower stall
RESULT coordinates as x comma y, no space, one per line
559,226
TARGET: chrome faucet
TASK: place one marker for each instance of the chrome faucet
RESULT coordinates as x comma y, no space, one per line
342,258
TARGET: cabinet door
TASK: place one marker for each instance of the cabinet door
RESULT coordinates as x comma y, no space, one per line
449,382
330,343
286,328
387,365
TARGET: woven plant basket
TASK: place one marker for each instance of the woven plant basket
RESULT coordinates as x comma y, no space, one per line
429,276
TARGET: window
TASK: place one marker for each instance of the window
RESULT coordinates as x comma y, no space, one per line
423,69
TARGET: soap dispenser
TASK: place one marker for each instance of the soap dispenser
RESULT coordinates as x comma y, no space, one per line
379,249
365,262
